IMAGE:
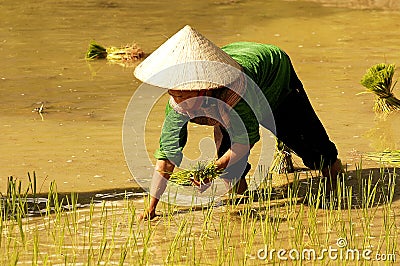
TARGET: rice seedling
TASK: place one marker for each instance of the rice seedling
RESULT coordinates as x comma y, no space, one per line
207,220
388,243
249,235
14,203
35,249
313,229
145,238
227,234
122,54
169,208
282,161
388,157
270,228
175,242
203,172
379,80
72,217
351,223
96,51
297,226
189,235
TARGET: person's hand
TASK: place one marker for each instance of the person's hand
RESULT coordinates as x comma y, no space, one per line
146,215
202,186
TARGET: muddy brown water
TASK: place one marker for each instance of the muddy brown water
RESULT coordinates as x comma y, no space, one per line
78,143
78,139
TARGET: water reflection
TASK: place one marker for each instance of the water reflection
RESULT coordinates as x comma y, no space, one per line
382,135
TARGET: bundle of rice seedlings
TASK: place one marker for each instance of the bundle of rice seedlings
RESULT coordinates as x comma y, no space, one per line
115,54
379,80
203,171
386,157
96,51
282,162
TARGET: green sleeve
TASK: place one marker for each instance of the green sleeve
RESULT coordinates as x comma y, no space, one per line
173,136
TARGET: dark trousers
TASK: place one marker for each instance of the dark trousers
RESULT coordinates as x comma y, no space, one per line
299,128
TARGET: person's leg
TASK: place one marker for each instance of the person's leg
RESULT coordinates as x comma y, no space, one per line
234,174
298,126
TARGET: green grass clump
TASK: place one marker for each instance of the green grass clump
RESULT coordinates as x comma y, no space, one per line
379,80
203,172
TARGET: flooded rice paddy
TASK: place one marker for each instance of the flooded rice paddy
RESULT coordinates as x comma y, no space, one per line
77,140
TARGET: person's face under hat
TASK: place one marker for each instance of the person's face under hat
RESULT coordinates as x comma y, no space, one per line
188,100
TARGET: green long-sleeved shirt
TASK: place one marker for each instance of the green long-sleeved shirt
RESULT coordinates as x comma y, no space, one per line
268,66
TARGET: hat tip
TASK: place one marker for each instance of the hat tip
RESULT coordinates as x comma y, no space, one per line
187,28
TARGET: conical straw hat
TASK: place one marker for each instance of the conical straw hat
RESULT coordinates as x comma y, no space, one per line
188,61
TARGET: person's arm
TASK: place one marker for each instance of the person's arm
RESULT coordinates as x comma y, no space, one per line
172,140
244,133
161,174
229,158
232,155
